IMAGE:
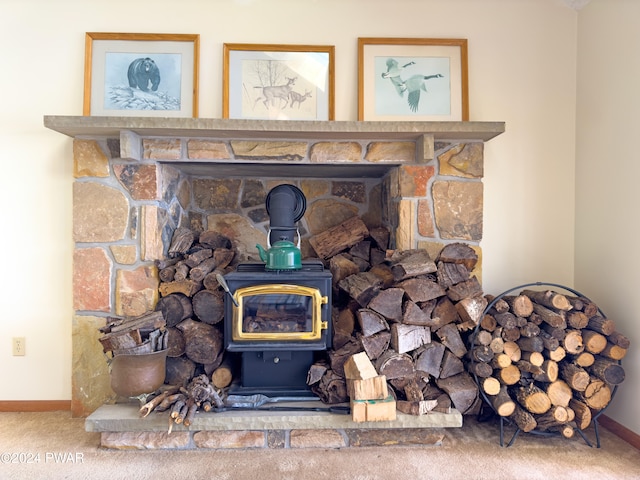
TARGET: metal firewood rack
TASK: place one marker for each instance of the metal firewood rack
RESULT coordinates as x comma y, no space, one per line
505,420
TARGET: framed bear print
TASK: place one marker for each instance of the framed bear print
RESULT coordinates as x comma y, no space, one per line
141,74
414,79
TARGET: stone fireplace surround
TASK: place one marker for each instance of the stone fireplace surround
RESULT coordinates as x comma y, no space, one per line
137,179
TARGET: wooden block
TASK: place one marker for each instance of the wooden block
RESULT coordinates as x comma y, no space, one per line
359,367
368,389
373,410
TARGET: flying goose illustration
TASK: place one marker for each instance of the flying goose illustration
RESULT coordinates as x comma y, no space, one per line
394,69
413,85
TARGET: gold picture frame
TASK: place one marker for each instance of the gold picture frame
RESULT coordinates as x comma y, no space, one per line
421,79
278,82
141,74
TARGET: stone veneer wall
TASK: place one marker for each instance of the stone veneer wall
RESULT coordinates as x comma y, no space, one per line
131,193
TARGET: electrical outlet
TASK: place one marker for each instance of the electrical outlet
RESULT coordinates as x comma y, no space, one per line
18,346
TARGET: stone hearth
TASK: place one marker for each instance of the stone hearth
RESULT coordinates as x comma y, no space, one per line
137,179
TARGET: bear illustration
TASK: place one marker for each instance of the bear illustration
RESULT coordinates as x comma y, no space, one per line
141,72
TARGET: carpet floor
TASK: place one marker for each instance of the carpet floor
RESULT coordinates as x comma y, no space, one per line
53,446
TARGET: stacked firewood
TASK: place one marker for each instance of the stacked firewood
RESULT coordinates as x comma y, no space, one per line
546,360
192,303
410,314
134,335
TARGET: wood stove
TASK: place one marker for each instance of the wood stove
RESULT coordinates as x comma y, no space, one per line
281,321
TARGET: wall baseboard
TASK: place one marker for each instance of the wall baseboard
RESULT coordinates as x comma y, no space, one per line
34,405
621,431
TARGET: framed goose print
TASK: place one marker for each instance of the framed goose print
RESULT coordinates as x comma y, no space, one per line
422,79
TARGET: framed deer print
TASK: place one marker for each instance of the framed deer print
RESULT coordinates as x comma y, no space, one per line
278,82
421,79
141,74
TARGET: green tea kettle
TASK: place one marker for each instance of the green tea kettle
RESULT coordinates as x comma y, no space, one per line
282,255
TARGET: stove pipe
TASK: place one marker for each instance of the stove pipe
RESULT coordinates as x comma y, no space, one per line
286,205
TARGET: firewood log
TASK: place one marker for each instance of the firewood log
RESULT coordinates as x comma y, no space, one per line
519,305
388,303
549,299
459,253
362,287
394,365
523,419
339,238
559,393
533,399
608,371
602,325
430,359
203,342
208,306
175,308
376,344
371,322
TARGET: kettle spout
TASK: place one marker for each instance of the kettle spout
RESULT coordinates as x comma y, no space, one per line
262,252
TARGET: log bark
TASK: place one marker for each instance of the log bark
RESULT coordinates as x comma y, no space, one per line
339,238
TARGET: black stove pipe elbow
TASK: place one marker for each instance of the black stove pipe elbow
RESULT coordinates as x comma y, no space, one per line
285,205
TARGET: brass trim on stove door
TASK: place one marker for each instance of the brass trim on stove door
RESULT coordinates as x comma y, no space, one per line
317,324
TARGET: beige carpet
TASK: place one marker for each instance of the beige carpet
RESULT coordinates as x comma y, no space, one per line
470,452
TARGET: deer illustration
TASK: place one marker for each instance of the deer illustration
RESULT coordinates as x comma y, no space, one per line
296,97
281,92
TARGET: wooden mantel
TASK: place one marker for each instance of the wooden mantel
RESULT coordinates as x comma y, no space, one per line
81,126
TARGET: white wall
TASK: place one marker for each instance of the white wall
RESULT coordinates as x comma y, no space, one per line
607,174
522,70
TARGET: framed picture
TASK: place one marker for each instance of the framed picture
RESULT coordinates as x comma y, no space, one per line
278,82
421,79
141,74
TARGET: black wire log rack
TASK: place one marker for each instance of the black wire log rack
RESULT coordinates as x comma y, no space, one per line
505,420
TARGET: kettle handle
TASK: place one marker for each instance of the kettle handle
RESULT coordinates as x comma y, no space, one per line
269,238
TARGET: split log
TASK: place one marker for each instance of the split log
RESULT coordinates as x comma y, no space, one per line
462,390
362,287
450,338
405,338
148,321
430,359
181,241
421,289
420,407
459,253
451,273
388,303
394,365
371,322
451,365
341,267
376,344
417,263
359,367
339,238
